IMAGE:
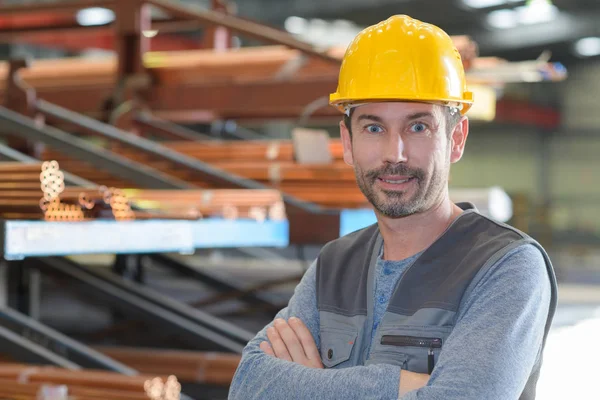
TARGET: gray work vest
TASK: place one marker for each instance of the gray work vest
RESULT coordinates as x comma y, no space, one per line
422,310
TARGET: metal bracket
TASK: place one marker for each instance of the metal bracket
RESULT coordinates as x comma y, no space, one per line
38,342
132,80
130,266
23,288
199,329
254,298
13,123
145,121
25,350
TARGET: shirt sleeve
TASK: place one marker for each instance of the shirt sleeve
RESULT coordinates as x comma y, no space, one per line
260,376
498,335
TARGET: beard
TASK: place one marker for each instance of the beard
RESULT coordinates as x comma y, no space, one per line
398,204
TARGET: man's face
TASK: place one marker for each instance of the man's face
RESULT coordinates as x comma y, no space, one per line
401,154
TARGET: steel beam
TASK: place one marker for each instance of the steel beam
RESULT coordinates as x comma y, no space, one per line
58,343
64,7
214,282
241,26
208,173
79,38
260,100
133,18
24,350
218,37
132,78
12,123
23,288
186,12
147,122
197,327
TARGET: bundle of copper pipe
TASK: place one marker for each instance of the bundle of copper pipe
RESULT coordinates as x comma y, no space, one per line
198,66
230,151
188,366
25,382
227,203
34,191
180,204
270,162
23,187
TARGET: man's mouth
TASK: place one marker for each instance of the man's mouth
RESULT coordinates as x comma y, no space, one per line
395,180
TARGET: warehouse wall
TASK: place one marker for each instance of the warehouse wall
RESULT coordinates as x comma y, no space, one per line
575,171
566,166
500,157
561,168
580,97
576,151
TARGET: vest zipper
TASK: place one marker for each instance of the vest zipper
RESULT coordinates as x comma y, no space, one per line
412,341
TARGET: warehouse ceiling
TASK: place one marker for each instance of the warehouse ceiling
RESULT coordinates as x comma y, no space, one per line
513,29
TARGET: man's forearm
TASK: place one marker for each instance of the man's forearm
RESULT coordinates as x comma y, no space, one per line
261,376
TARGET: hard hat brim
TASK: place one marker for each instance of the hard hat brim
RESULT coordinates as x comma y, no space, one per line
342,104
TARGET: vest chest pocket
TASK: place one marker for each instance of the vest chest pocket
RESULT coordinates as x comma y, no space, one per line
420,347
336,347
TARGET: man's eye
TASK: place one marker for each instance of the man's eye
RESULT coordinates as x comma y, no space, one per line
374,129
418,127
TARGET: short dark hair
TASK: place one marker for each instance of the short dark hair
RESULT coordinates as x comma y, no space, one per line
452,118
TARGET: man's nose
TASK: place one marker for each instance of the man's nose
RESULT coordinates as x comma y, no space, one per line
395,151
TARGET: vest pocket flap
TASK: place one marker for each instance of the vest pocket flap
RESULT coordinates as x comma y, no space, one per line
420,345
336,345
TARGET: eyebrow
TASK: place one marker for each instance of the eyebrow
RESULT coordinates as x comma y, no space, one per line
419,115
411,117
369,117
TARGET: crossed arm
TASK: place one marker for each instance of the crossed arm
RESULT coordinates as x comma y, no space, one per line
267,377
489,354
292,341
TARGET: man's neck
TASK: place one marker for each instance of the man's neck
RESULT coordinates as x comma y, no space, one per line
404,237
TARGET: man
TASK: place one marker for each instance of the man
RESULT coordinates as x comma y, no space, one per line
435,301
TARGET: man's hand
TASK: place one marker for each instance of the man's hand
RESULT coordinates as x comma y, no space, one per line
293,342
410,381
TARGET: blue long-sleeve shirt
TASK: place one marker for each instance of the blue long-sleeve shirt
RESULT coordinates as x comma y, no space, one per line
489,355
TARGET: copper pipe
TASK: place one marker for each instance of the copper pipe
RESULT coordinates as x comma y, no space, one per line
188,366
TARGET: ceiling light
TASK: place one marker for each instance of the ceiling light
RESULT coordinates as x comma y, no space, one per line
150,33
588,47
318,27
295,25
94,16
531,76
483,3
536,11
502,19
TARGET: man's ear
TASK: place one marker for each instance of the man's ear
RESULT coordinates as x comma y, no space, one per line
346,143
459,139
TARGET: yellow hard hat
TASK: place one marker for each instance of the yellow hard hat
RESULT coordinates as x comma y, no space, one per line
402,59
